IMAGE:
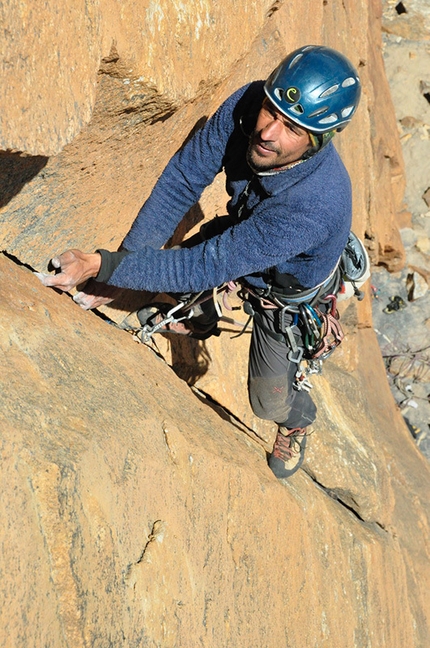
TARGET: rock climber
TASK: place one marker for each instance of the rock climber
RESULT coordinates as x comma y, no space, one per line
288,220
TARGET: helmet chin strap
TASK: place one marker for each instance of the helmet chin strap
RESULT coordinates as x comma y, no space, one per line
318,141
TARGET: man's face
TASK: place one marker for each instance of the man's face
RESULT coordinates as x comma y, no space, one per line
276,141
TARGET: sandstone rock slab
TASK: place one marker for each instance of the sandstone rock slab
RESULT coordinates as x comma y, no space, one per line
133,514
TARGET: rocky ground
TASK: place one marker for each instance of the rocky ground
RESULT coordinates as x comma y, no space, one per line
401,305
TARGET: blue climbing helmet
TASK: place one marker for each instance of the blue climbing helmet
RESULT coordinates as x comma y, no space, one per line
316,87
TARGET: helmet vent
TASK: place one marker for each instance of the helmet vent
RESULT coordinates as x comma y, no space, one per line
320,111
348,82
295,60
278,92
298,109
330,90
331,119
347,111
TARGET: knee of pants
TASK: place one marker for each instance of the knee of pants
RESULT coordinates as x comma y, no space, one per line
270,398
274,399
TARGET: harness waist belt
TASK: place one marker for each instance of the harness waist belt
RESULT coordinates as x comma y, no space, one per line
297,297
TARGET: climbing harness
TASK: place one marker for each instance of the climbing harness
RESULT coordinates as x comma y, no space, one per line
311,315
311,329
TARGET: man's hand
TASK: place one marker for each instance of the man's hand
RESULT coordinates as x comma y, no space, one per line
75,268
96,294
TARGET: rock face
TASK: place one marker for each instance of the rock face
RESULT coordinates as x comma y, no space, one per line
135,511
134,515
162,67
404,337
49,60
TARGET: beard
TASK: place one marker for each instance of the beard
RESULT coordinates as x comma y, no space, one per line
258,163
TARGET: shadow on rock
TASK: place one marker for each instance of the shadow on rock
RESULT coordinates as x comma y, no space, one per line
16,170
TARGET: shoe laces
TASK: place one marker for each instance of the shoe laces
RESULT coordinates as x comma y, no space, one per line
288,445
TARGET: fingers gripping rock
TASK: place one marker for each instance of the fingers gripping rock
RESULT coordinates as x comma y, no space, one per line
56,263
43,278
72,268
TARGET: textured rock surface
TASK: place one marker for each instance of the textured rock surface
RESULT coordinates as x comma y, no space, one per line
88,194
409,19
49,61
404,335
135,515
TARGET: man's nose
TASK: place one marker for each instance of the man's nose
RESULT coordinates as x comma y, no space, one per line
272,130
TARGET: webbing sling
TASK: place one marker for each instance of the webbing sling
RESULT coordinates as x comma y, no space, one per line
321,333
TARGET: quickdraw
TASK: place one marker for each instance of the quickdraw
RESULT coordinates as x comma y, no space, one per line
332,336
147,331
185,310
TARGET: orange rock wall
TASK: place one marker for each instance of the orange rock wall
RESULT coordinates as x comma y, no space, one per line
101,97
135,512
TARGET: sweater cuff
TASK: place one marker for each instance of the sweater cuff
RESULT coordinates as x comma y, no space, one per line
110,262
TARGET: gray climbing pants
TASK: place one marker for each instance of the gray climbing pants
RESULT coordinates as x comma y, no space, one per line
271,377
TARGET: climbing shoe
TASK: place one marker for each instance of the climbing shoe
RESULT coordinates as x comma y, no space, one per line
288,452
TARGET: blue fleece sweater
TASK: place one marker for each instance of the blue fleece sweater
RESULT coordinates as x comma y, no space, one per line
296,220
